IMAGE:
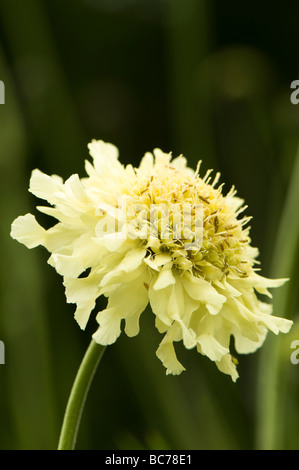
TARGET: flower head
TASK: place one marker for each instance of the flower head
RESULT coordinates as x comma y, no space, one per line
156,234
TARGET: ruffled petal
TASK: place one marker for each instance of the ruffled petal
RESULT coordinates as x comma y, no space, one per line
25,229
82,254
166,352
44,186
165,277
204,292
131,261
105,158
209,346
126,299
227,366
262,284
84,293
159,302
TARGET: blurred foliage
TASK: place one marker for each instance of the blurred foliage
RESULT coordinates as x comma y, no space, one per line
204,78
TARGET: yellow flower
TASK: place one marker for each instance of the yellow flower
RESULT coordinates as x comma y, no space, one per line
156,234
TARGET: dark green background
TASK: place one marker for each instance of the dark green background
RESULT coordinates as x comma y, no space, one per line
205,78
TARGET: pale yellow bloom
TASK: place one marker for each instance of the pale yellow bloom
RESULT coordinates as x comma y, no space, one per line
121,234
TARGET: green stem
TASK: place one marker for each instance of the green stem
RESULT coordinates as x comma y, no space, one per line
78,396
271,376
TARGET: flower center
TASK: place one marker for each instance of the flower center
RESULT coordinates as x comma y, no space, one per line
189,219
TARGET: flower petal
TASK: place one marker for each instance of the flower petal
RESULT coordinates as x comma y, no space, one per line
105,157
84,293
209,346
83,254
125,300
25,229
44,186
204,292
227,366
166,352
159,302
165,277
131,261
